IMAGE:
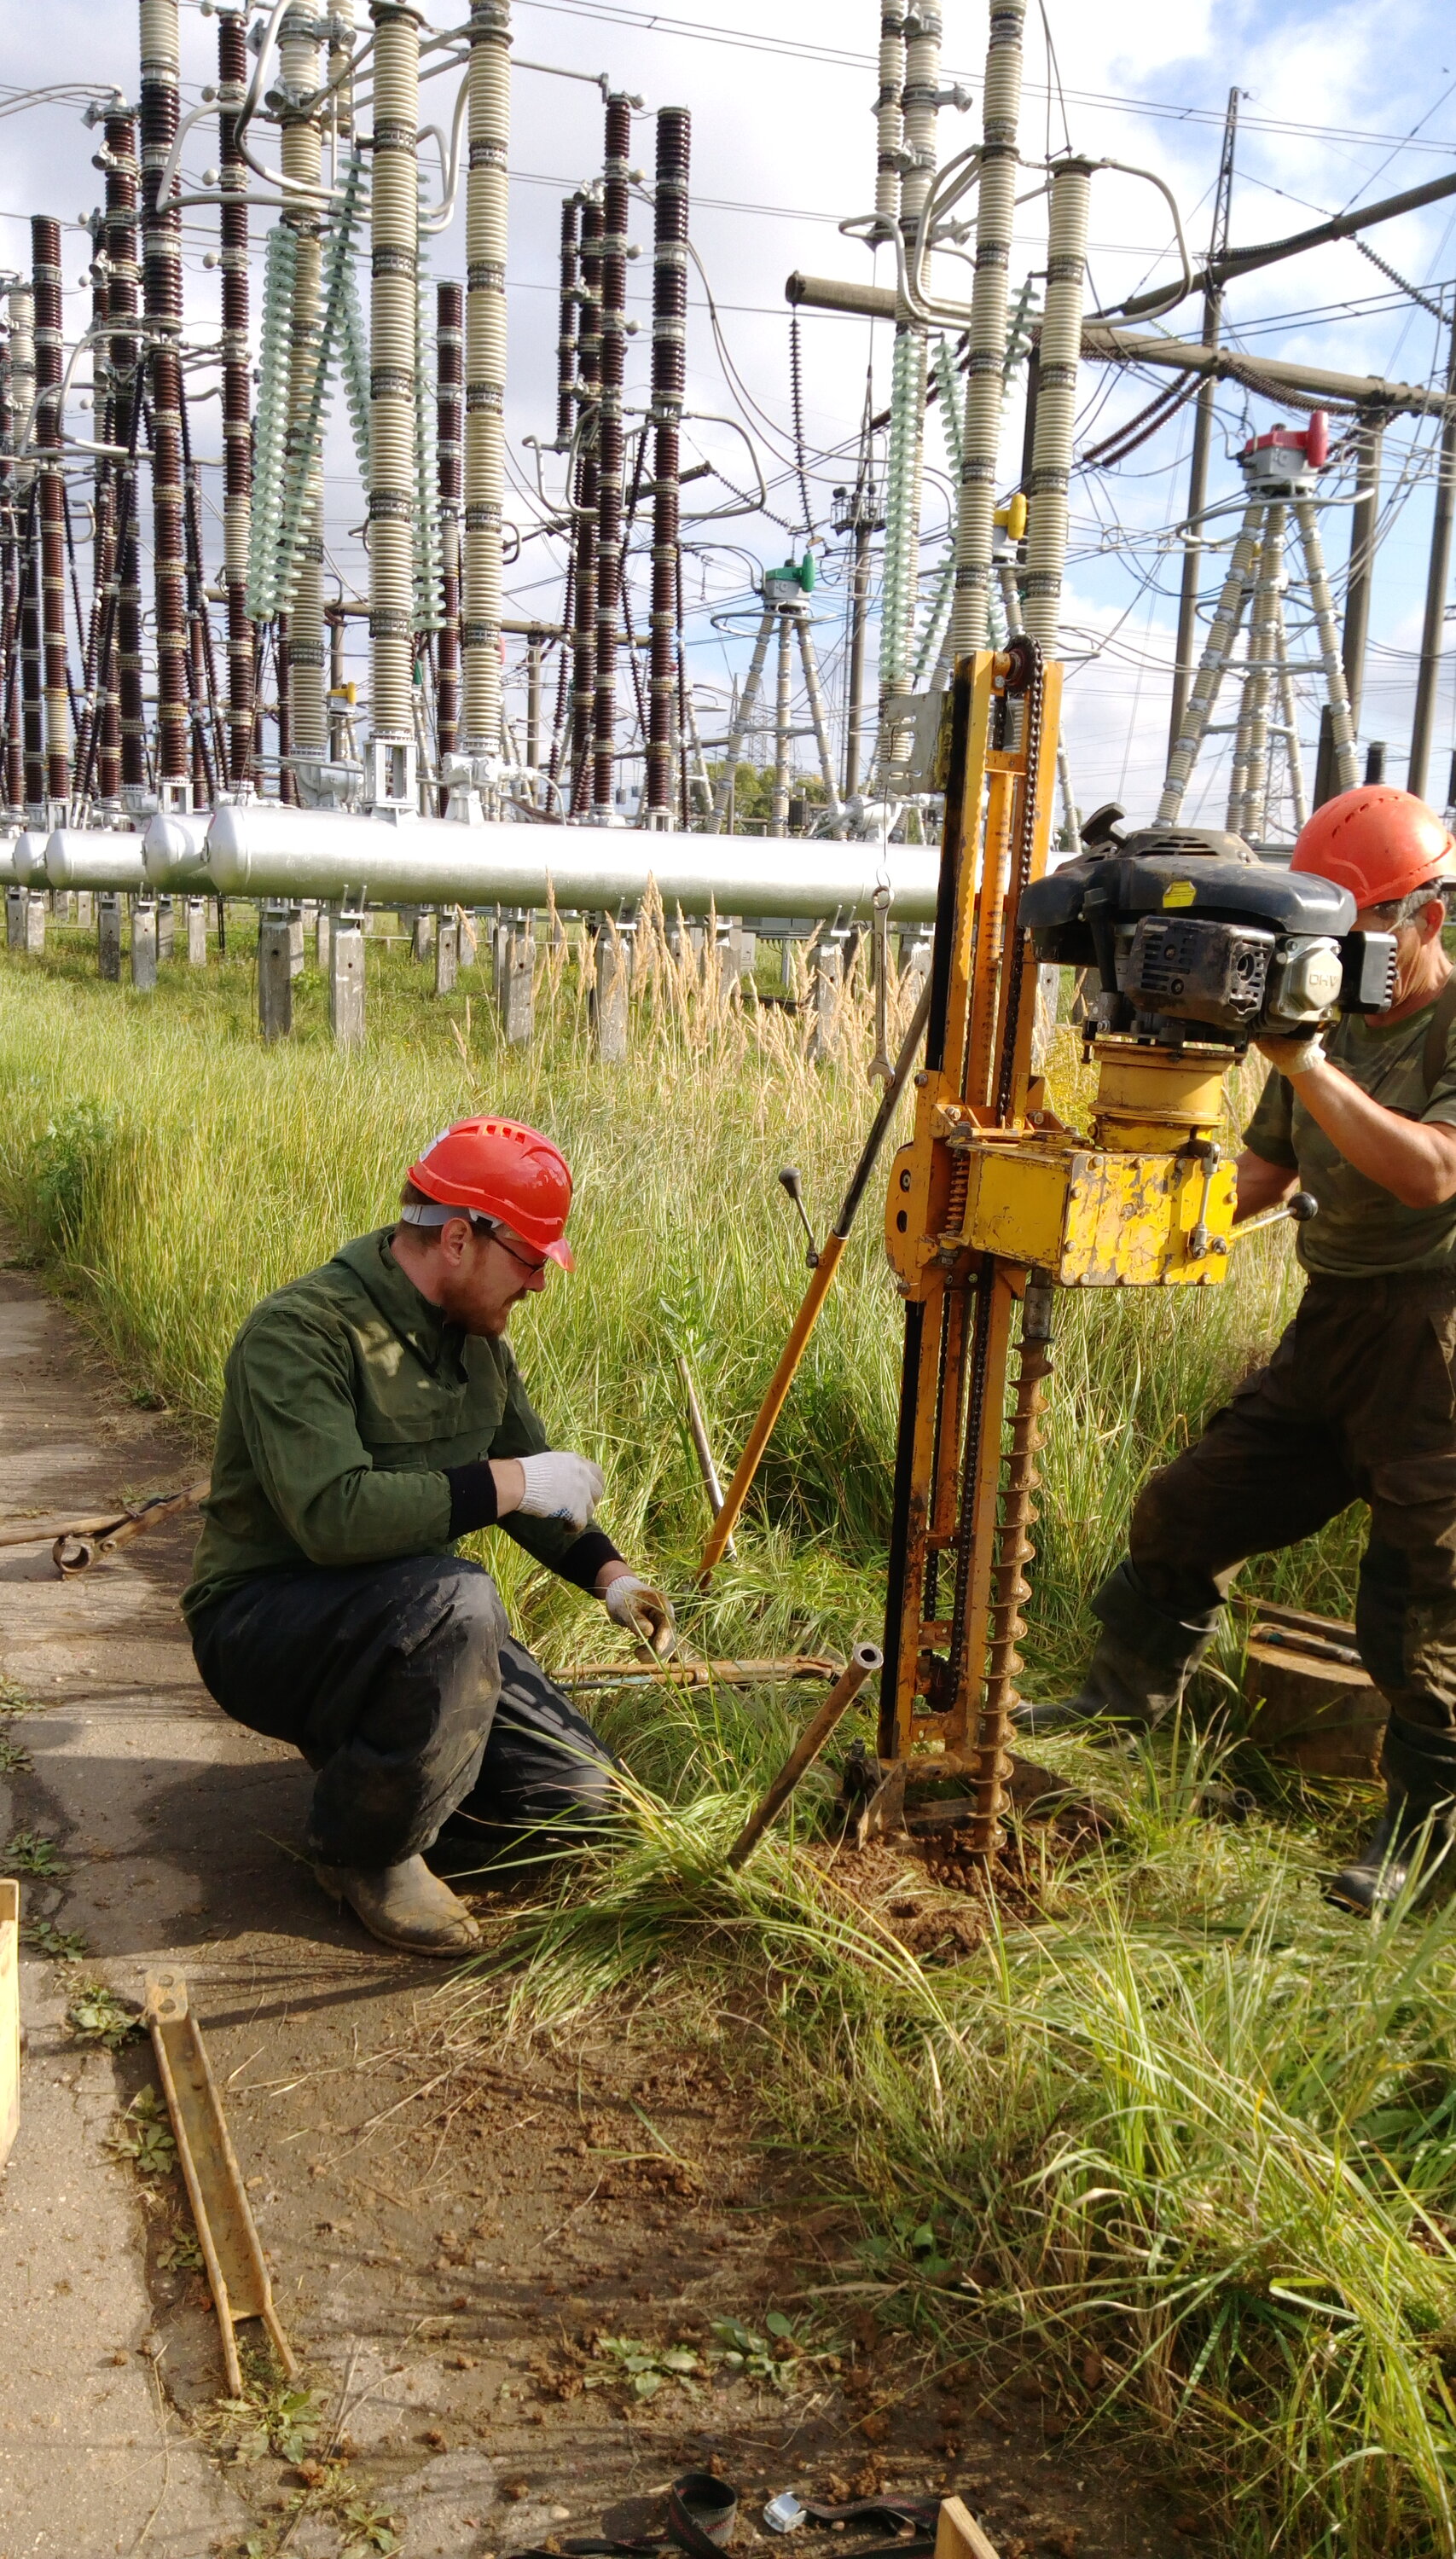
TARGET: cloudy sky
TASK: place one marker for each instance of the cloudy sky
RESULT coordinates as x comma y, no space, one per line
1337,105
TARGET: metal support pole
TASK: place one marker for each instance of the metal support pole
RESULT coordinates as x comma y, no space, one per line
1437,578
747,703
1364,521
1342,729
1203,425
1213,664
820,718
858,604
779,821
1248,798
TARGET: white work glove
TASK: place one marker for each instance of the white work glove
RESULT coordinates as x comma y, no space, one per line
1295,1055
643,1610
559,1486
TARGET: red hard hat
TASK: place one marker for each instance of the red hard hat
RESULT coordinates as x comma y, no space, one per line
1376,842
499,1168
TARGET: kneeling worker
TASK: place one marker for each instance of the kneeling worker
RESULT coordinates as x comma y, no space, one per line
373,1414
1357,1402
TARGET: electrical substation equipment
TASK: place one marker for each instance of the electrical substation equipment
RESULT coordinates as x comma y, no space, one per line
1196,948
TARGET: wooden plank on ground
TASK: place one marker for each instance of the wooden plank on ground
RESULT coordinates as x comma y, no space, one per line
958,2535
9,2014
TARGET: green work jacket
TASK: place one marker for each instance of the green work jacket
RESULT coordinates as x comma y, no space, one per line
347,1395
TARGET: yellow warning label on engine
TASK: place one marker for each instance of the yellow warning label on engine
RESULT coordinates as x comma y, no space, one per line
1179,893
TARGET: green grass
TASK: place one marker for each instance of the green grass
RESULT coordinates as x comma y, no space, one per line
1195,2136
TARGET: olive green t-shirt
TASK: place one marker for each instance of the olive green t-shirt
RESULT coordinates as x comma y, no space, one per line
1362,1230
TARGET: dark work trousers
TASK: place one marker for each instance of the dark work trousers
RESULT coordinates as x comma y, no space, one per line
1356,1404
401,1685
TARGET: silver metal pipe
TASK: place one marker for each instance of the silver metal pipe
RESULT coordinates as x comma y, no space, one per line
266,851
89,858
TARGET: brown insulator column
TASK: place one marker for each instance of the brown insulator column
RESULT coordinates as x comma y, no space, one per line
161,304
566,336
9,590
449,377
121,764
670,331
21,304
584,629
237,392
613,325
103,520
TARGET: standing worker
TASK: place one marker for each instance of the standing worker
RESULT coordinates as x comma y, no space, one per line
373,1414
1357,1402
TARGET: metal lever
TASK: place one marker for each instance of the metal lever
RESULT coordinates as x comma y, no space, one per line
1302,1207
792,1182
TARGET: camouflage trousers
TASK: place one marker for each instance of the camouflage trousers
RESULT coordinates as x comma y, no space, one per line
1356,1404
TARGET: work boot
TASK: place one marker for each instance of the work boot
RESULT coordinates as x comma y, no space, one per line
1138,1672
404,1905
1410,1837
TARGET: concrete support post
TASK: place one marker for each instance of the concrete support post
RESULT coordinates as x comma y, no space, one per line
85,910
35,923
108,936
197,931
323,934
423,935
15,906
447,954
144,945
518,986
166,929
824,988
609,995
275,974
295,945
347,980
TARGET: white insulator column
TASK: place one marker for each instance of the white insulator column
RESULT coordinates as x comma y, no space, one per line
20,309
890,116
300,59
1056,408
985,370
1212,666
395,244
485,371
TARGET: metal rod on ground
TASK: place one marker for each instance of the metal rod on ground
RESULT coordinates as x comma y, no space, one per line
1433,624
863,1662
814,1295
701,1443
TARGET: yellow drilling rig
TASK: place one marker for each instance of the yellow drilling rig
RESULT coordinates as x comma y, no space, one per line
1190,948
